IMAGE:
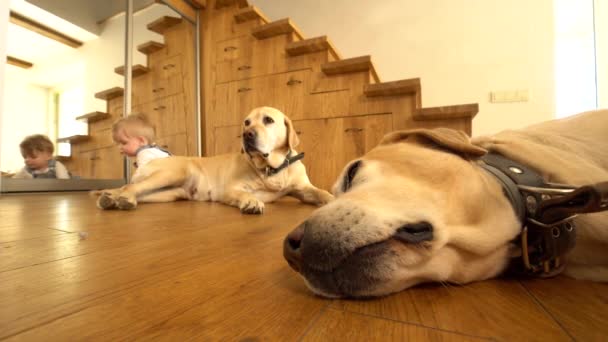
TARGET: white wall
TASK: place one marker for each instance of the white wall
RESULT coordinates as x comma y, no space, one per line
601,43
574,57
25,112
3,29
461,49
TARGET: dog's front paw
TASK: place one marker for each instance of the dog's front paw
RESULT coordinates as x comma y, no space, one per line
106,201
252,206
324,197
126,203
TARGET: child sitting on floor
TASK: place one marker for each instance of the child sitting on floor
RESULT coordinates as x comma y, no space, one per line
135,136
37,151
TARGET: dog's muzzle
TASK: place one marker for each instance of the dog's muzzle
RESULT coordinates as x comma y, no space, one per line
546,212
249,140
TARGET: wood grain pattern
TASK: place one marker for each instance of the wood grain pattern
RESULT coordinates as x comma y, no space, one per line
250,13
203,271
491,309
581,307
198,4
337,325
136,70
312,45
447,112
282,26
74,139
410,86
150,47
162,24
356,64
183,7
93,117
18,62
225,3
110,94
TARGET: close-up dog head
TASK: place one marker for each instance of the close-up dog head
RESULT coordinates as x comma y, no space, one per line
267,136
414,209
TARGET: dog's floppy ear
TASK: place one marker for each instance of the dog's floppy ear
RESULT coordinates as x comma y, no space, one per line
292,136
452,140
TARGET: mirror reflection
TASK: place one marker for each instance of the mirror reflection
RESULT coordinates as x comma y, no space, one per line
64,89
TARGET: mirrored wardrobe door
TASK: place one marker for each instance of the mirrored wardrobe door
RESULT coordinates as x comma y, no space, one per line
68,85
63,96
163,70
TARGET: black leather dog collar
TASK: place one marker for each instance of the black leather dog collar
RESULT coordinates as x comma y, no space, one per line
289,159
543,242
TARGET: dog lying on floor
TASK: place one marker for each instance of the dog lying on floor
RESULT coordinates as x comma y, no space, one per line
267,169
433,206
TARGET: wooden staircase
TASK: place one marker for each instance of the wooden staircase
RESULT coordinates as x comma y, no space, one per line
340,106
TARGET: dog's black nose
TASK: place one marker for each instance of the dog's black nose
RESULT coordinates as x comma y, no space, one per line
291,247
250,135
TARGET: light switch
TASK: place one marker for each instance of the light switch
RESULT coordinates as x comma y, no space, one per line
509,96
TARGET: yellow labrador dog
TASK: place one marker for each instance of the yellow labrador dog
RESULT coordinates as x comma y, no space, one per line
267,168
428,206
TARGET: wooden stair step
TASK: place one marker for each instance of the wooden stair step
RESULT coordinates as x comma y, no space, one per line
401,87
18,62
136,70
93,117
276,28
164,23
226,3
74,139
109,94
345,66
150,47
447,112
250,13
311,45
198,4
63,158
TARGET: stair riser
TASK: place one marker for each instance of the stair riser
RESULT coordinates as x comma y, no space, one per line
353,80
230,28
271,58
292,93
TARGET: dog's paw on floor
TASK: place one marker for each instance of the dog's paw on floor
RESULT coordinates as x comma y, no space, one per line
126,204
252,206
106,202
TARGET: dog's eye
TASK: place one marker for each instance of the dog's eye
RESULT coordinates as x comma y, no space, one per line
350,175
415,232
268,120
247,122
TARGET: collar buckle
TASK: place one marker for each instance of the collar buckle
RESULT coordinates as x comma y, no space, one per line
546,212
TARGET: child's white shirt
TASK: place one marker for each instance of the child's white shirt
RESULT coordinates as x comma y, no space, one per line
61,172
146,154
150,153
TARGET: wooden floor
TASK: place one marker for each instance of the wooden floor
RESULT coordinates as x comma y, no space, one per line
201,271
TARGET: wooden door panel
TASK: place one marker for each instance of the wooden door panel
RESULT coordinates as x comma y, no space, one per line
232,49
320,141
176,144
227,139
376,126
168,115
108,164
